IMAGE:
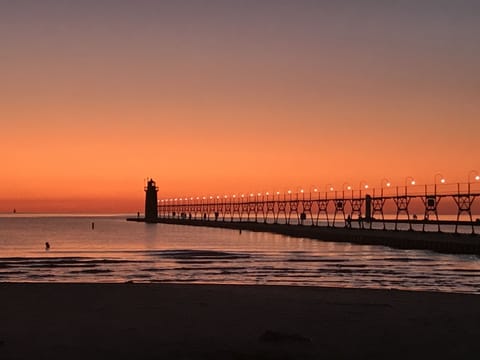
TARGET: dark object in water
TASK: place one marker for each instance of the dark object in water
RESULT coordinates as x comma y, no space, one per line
270,336
47,246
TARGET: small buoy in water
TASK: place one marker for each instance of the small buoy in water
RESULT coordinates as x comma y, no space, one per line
47,246
93,225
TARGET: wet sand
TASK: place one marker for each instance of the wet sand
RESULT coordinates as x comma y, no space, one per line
172,321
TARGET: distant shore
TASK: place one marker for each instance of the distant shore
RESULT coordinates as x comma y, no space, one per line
171,321
440,242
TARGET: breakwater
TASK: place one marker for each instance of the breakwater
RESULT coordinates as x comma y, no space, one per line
435,241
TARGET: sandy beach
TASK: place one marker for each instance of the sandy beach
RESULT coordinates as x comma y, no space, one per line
176,321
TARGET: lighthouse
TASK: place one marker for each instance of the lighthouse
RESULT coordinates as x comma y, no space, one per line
151,209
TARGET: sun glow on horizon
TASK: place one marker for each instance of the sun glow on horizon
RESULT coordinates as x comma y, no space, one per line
233,98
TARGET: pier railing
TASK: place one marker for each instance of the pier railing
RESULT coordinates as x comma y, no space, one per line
401,208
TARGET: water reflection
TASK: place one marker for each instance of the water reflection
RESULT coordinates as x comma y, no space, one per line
117,251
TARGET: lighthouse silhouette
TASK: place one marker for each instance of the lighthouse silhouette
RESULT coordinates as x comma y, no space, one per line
151,206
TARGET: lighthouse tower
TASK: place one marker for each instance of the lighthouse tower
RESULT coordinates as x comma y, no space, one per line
151,209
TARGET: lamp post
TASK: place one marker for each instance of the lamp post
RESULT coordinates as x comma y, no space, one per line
387,184
442,181
328,187
260,198
365,186
196,205
474,173
409,180
343,189
476,177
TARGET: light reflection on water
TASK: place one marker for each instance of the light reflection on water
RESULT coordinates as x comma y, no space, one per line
118,251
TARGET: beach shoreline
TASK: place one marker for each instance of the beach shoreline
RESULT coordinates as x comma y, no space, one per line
187,321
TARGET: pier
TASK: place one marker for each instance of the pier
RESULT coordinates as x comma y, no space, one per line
385,217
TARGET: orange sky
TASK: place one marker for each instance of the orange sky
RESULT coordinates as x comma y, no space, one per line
229,97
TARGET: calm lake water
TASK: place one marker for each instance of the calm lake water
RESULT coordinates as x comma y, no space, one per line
118,251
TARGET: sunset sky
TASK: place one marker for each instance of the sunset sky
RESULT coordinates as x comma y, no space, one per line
227,96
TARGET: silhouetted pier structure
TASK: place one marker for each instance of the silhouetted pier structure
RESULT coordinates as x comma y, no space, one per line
348,209
363,217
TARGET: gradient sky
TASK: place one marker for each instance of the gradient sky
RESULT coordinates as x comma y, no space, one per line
212,97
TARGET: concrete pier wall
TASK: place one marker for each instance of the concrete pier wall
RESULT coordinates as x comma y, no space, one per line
439,242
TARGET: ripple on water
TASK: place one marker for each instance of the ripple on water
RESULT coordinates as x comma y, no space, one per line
348,269
405,259
91,271
199,254
320,260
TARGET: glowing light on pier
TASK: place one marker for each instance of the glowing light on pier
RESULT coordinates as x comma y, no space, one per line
409,180
475,174
293,207
442,179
